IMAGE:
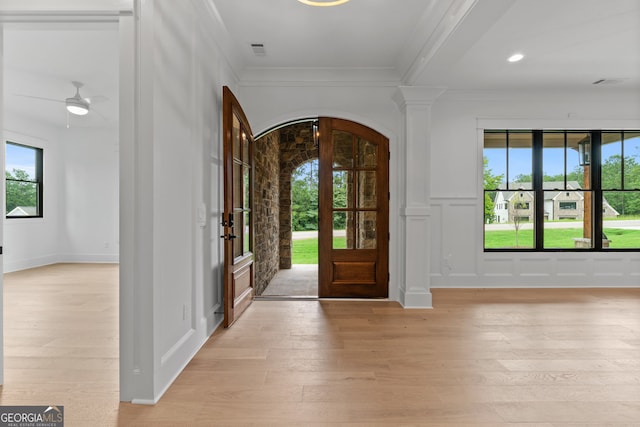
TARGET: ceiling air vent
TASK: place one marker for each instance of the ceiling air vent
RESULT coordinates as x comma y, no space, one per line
258,49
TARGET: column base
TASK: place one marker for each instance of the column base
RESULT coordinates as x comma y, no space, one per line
416,299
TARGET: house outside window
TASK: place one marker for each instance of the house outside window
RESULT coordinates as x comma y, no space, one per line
568,206
556,189
23,181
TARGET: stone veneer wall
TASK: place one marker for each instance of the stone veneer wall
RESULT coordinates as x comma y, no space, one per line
296,148
267,206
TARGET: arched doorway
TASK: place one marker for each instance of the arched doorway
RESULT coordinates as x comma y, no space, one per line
354,190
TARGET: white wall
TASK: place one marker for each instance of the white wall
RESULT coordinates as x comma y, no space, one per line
171,265
80,222
457,256
35,241
88,180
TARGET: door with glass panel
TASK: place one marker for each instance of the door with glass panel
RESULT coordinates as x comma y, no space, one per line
237,219
354,211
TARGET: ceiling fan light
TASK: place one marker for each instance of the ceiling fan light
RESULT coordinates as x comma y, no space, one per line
323,2
516,57
79,107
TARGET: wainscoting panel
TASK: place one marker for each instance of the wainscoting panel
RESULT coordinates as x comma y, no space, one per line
572,267
437,262
460,244
608,267
634,266
498,267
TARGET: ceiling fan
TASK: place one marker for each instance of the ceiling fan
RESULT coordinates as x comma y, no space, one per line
76,105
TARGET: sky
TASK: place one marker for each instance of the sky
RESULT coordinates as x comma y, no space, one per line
18,157
307,166
553,158
520,161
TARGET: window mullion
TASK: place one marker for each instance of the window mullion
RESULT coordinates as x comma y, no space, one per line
622,162
565,161
506,174
596,188
537,177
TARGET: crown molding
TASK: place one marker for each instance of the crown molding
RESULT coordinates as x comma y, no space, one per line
300,76
417,95
63,11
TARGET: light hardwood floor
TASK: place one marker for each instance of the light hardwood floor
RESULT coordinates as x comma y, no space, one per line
61,340
510,357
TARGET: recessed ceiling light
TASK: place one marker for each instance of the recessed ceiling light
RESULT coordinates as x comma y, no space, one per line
323,2
515,57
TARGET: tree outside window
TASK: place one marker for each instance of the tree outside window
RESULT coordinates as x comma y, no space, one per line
23,181
304,192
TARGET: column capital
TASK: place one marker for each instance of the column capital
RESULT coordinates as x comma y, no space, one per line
417,95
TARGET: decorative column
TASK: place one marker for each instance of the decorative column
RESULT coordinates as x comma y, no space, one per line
415,215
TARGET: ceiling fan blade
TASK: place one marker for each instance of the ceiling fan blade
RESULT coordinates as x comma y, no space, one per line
96,98
99,114
38,97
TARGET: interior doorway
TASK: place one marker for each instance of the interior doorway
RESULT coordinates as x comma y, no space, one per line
78,194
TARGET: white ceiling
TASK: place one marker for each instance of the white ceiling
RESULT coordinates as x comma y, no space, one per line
569,44
459,44
358,34
42,61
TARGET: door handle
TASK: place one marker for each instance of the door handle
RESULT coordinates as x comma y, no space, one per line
226,223
228,236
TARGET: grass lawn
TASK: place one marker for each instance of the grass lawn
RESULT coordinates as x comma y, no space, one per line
561,238
305,251
623,238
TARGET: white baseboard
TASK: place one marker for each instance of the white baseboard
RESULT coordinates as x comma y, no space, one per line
11,266
89,258
24,264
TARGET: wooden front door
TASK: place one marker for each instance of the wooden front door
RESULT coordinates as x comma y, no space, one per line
353,246
237,219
